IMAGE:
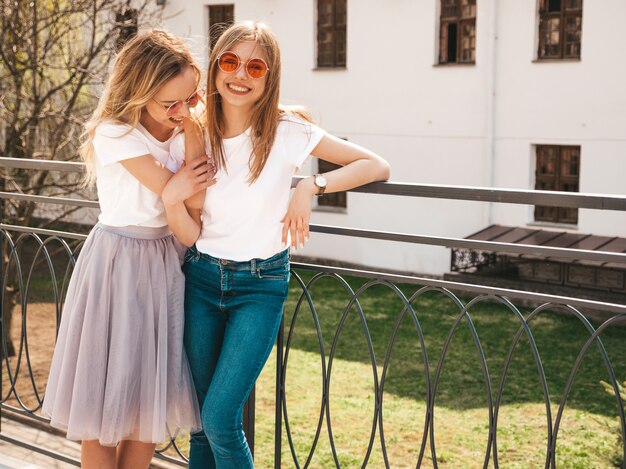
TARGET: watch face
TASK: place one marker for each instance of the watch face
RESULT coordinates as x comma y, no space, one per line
320,181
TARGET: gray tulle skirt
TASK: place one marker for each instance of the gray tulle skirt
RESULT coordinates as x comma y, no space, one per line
119,370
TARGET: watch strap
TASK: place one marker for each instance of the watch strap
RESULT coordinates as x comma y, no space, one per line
320,189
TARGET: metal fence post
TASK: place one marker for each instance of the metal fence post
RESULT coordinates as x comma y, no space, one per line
248,420
278,423
3,272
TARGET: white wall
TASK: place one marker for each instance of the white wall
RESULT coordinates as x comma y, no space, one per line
431,122
568,103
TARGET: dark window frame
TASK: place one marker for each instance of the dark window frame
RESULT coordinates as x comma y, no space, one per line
549,12
127,22
453,21
557,176
335,200
332,37
220,17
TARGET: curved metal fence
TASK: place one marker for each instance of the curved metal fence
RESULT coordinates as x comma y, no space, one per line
434,363
45,258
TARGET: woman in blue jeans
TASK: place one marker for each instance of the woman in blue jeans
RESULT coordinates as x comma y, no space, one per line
237,270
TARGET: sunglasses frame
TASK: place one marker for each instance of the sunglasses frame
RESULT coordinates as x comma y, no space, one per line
200,92
240,63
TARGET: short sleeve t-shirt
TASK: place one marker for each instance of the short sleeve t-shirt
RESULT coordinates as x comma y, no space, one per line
242,221
124,201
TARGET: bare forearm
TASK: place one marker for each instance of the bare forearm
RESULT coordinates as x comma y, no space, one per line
352,175
185,226
194,139
358,165
196,201
194,148
149,172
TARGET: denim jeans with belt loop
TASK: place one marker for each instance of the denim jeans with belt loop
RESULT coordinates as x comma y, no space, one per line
232,315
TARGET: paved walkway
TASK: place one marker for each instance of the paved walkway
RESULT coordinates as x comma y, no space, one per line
12,463
16,457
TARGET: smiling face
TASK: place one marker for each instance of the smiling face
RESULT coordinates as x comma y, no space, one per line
154,115
237,90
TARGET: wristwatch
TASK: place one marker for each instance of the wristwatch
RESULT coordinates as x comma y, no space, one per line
320,182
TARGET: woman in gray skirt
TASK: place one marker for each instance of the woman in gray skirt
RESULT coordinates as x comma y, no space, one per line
119,379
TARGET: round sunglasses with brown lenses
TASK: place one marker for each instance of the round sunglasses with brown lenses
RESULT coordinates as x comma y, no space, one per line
229,62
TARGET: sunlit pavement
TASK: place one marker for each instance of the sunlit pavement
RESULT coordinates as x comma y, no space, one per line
16,457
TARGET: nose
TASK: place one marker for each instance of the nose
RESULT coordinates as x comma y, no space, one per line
241,72
184,110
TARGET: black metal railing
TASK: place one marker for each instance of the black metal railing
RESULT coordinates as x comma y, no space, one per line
52,254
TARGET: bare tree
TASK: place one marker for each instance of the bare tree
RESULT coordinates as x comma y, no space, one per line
54,58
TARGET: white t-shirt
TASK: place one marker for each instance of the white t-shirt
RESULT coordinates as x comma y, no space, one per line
124,201
241,221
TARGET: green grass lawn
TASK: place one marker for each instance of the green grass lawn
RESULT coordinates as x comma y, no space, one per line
589,433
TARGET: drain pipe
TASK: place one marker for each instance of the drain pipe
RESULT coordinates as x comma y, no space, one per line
491,104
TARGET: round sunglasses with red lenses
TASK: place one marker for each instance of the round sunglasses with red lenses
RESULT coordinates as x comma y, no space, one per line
176,106
229,62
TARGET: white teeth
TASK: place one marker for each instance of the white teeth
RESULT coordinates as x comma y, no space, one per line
241,89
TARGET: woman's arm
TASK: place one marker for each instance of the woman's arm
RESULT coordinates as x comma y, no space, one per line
184,222
194,148
183,214
358,166
191,178
175,189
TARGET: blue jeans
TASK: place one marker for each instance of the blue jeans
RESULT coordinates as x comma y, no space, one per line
232,315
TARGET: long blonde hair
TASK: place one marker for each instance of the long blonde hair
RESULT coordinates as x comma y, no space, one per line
266,112
141,68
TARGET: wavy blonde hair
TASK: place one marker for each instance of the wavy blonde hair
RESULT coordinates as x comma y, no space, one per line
141,68
266,112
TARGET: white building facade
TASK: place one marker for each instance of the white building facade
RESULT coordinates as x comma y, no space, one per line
474,120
